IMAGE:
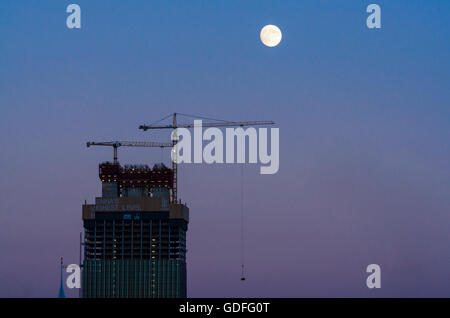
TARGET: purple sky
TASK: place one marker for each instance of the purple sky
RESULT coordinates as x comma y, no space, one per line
364,131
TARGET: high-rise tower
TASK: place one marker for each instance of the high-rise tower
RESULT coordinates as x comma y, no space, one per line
135,238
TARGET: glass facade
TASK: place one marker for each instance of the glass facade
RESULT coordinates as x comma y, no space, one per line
134,255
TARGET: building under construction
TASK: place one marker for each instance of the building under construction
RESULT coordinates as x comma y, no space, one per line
135,235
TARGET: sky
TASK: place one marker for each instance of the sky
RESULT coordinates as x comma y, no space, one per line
363,116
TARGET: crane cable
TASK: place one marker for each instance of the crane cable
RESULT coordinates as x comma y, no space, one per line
242,223
206,118
242,188
192,116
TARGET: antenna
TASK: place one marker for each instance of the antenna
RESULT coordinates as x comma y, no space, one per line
61,293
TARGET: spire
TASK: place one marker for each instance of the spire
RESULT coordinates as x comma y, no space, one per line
61,293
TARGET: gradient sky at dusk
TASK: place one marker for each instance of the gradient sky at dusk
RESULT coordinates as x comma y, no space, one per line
364,119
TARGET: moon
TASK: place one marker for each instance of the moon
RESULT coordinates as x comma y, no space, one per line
270,35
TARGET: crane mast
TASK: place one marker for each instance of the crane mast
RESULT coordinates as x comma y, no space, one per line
174,161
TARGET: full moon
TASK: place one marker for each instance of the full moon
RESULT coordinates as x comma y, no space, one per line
270,35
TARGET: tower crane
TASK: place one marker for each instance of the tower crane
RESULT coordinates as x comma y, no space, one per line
219,123
117,144
175,125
